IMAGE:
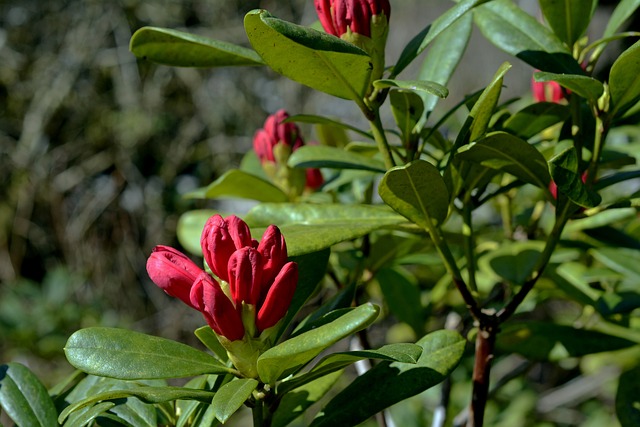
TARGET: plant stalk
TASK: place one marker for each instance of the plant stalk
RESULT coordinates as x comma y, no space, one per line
485,345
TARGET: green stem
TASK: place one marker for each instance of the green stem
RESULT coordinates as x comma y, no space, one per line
258,413
598,143
469,244
381,140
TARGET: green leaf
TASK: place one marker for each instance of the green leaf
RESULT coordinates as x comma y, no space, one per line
521,35
416,191
177,48
624,81
600,219
513,262
445,55
294,353
417,86
320,120
508,153
85,417
621,13
295,402
24,398
564,169
548,341
310,228
402,295
209,338
231,397
123,354
312,58
145,394
407,109
189,229
585,86
442,350
319,156
622,260
420,42
535,118
569,19
485,105
242,185
628,398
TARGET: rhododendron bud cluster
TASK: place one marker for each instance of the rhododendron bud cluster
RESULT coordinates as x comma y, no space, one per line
273,144
546,91
252,288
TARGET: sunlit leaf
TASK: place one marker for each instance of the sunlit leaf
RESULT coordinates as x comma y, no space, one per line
535,118
319,156
417,86
232,396
624,80
242,185
585,86
568,18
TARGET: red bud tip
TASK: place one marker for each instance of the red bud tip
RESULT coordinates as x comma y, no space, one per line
173,272
279,296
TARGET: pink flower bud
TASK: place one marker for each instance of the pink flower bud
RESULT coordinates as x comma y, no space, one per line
220,239
546,91
208,297
275,132
273,249
336,16
245,276
278,298
173,272
314,178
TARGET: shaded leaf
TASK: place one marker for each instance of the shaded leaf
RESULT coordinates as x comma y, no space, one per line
624,80
568,18
535,118
312,58
319,156
231,397
622,260
403,297
321,120
621,13
177,48
407,109
242,185
548,341
508,153
628,398
294,353
417,86
416,191
123,354
362,398
585,86
513,262
24,398
564,169
519,34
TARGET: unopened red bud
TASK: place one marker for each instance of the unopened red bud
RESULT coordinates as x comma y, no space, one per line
220,239
221,315
336,16
245,276
273,249
546,91
173,272
278,298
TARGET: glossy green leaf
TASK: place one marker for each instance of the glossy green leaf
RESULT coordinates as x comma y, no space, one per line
508,153
416,191
417,86
312,58
585,86
24,398
207,337
145,394
407,109
442,350
513,262
232,396
535,118
624,80
628,398
319,156
310,228
548,341
85,417
123,354
444,56
621,13
405,353
420,42
519,34
564,169
321,120
569,19
295,402
177,48
294,353
137,413
484,107
402,295
242,185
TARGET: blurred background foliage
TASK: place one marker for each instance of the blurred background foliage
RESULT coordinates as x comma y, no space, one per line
97,149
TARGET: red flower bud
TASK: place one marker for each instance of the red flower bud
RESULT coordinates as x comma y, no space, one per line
273,249
245,276
173,272
220,239
338,15
275,132
314,178
208,297
278,298
546,91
